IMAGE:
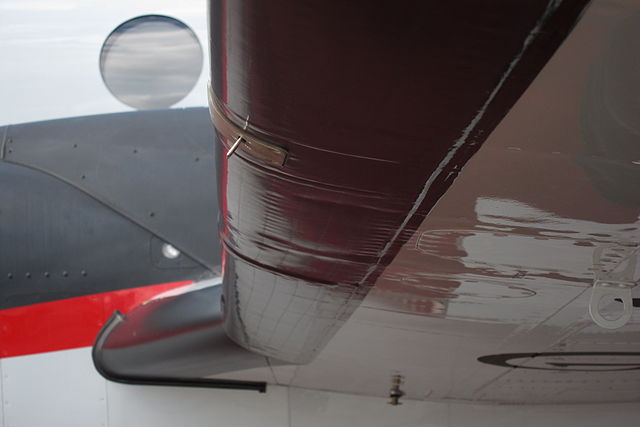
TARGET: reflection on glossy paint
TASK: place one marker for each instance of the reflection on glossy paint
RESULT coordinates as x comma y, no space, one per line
609,119
151,62
538,244
512,251
280,316
319,231
534,243
541,244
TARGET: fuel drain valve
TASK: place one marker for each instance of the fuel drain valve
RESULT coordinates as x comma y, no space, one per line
394,392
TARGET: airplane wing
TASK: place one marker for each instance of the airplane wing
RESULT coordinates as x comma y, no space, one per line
430,192
426,201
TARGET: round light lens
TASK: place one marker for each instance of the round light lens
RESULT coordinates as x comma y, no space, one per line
151,62
169,251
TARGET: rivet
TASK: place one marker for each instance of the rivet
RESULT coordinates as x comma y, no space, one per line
28,275
65,274
46,274
135,151
10,276
152,214
83,273
75,145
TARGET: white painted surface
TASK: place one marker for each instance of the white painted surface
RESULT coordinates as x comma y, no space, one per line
51,49
60,388
63,389
1,396
315,409
310,408
138,406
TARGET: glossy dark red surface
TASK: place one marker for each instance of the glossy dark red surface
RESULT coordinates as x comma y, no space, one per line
379,107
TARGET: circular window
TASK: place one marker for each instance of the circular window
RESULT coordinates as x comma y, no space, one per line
151,61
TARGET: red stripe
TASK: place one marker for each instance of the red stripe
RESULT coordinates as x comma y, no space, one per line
69,323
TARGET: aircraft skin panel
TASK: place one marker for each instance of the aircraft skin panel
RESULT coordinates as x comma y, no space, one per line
148,166
58,242
70,392
487,300
58,388
473,286
177,338
504,265
331,178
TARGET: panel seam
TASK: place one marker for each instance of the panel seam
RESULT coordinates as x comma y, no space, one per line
113,208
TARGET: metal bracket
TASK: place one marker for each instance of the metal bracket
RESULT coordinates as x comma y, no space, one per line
621,290
616,283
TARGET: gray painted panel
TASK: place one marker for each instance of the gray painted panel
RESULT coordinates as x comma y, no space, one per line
155,167
57,242
175,340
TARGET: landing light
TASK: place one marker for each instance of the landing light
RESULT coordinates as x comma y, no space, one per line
151,61
169,251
